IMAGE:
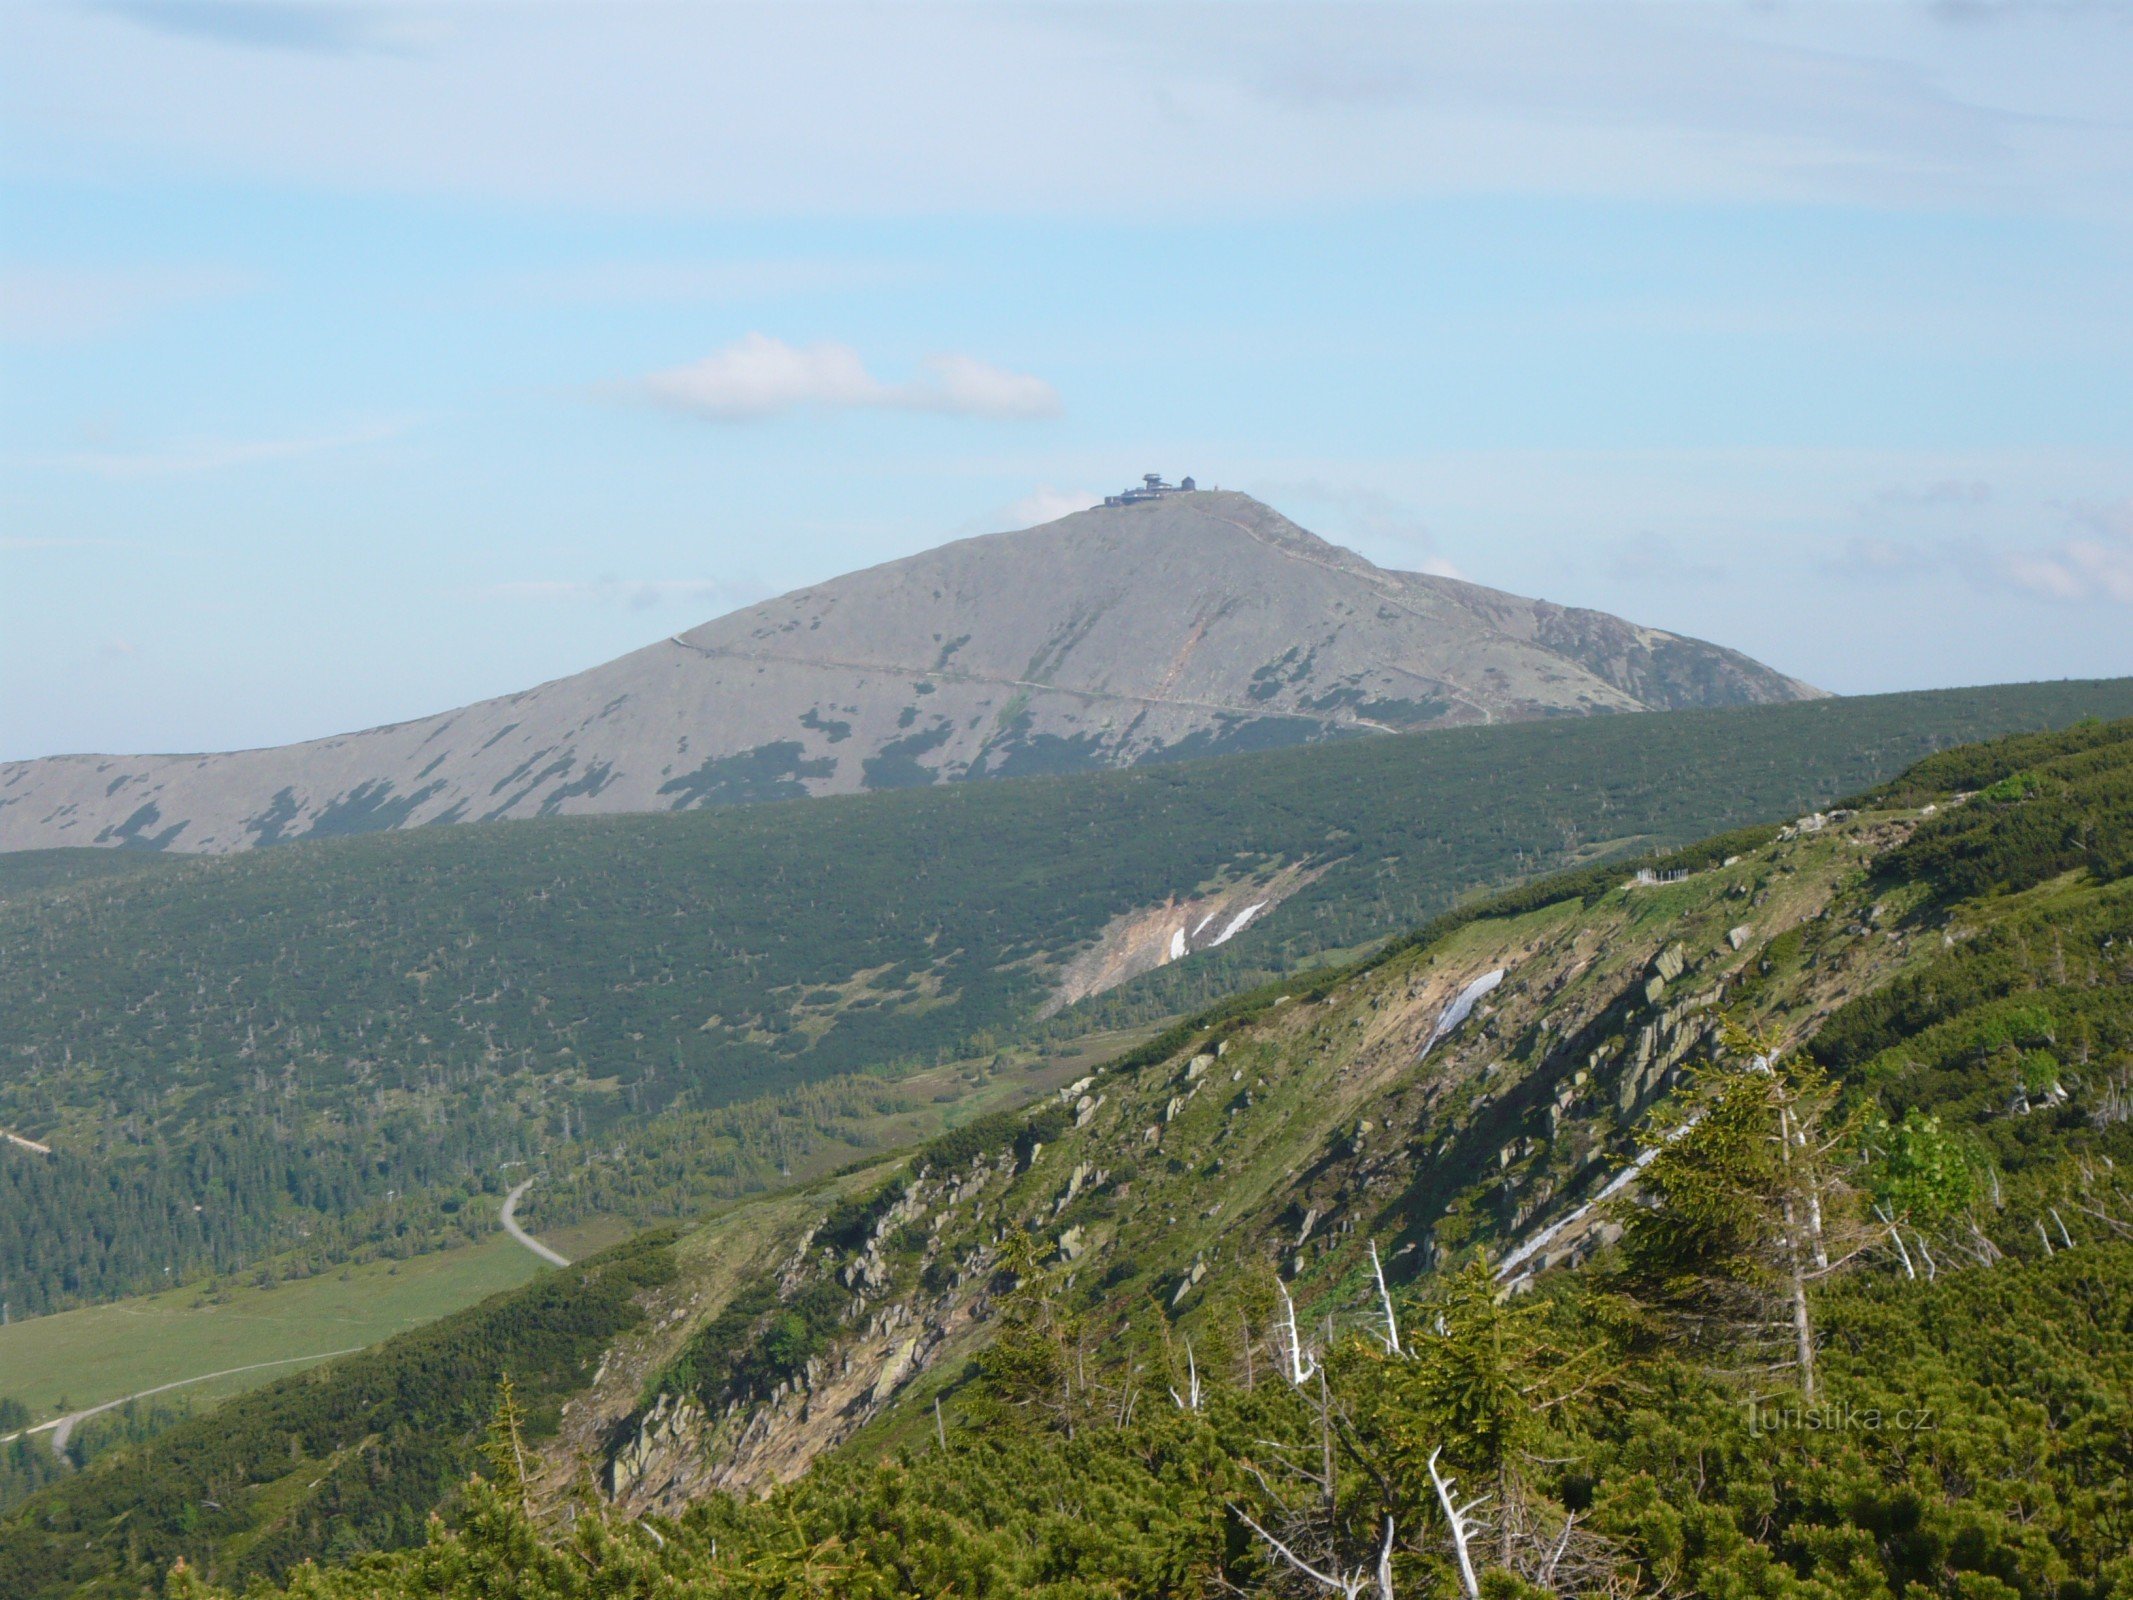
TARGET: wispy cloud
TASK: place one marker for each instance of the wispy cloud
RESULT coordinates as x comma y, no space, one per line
712,282
757,377
2096,563
320,26
2092,562
635,594
938,110
62,303
214,455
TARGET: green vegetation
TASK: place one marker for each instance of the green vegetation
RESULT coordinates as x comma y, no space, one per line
336,1045
1971,1443
28,1462
29,871
1866,1328
98,1353
348,1457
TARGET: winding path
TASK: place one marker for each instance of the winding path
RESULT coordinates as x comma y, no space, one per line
509,1216
62,1428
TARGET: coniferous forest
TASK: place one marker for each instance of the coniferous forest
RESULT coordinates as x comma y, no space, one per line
1761,1230
328,1048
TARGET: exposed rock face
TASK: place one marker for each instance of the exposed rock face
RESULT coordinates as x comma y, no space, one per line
1193,625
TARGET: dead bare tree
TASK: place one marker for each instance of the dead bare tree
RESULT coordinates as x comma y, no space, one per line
1348,1583
1458,1519
1302,1363
1392,1321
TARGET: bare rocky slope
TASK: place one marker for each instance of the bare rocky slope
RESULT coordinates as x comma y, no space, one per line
1193,625
1489,1084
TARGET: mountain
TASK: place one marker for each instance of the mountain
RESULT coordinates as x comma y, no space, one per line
1194,624
1103,1344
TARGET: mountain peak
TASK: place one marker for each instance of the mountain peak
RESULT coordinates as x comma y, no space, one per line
1176,622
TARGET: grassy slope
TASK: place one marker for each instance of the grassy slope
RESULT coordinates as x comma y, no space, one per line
98,1353
1270,1132
381,1435
85,1357
1315,1131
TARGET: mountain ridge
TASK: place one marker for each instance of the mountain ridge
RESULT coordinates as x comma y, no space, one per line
1201,624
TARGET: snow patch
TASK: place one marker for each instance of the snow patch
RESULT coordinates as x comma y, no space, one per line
1460,1009
1236,924
1177,946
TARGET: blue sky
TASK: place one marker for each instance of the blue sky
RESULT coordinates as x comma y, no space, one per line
361,360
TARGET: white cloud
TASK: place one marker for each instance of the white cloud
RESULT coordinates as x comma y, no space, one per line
214,455
58,303
757,376
965,387
2095,564
325,26
938,110
714,282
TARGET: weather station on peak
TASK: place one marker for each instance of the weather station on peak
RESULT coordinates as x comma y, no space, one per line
1152,487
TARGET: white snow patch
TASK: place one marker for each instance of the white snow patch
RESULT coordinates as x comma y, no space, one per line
1236,923
1177,946
1460,1009
1204,921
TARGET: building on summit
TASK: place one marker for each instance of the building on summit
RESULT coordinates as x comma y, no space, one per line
1152,487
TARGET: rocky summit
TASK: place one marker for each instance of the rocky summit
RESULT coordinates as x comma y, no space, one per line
1188,624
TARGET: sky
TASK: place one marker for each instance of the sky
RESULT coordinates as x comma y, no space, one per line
361,360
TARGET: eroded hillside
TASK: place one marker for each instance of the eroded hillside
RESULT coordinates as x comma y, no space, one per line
1277,1145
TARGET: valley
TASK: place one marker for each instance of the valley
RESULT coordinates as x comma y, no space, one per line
669,932
331,1050
1147,1268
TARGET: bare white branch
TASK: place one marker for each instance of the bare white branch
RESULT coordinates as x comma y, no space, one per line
1456,1516
1392,1323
